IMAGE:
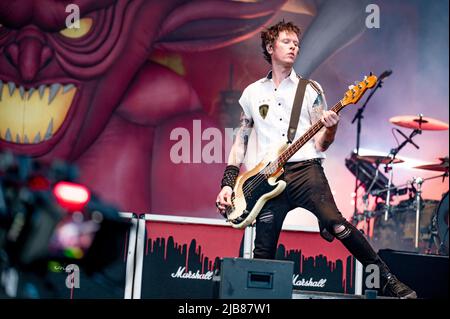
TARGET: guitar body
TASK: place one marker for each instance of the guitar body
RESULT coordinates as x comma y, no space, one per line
252,191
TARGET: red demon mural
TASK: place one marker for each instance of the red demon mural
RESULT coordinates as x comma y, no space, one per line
91,95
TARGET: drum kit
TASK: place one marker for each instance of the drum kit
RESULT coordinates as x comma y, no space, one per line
406,220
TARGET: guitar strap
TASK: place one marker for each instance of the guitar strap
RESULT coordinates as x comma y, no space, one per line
297,106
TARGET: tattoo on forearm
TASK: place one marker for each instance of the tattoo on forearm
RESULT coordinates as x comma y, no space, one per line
239,147
319,106
317,109
245,127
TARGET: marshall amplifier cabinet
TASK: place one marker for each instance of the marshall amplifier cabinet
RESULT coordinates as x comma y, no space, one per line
182,257
255,279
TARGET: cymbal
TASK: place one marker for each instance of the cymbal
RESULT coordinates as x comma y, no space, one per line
374,159
437,167
417,122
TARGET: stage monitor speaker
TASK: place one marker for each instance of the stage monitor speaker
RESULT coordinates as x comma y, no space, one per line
426,274
242,278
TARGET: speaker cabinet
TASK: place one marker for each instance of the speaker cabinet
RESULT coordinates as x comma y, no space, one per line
242,278
426,274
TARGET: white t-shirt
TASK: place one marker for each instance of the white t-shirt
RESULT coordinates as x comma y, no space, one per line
270,109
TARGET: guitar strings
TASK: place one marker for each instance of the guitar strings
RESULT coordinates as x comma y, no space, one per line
308,135
269,170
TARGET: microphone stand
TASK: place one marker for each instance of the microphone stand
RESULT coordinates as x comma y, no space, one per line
358,117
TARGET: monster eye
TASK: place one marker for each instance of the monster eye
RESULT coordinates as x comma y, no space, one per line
75,33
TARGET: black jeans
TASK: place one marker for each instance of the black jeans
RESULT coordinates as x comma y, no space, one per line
307,187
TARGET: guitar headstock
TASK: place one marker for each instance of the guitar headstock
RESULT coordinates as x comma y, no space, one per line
355,92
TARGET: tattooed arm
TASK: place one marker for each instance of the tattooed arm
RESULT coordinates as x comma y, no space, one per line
235,159
330,119
239,148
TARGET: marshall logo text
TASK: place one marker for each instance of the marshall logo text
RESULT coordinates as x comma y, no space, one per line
181,273
308,283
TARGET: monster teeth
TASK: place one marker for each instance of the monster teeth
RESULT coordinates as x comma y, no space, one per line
8,137
26,94
23,134
37,138
41,90
30,93
12,87
49,131
21,91
54,88
68,87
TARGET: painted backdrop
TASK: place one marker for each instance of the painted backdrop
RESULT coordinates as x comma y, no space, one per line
143,96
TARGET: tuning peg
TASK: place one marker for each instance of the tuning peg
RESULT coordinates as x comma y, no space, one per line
370,74
365,77
351,87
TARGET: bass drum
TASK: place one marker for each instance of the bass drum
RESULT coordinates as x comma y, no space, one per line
399,231
440,225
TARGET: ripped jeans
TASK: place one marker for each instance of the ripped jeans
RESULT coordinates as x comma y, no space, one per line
307,187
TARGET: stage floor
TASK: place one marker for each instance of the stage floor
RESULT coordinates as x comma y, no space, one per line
303,294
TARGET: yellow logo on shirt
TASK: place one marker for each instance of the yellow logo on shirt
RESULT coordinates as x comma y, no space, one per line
263,109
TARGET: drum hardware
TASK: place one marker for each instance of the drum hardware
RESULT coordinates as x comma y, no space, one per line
363,166
378,159
419,181
442,166
438,228
371,177
399,231
366,195
419,122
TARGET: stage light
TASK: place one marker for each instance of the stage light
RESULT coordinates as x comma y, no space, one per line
48,218
71,196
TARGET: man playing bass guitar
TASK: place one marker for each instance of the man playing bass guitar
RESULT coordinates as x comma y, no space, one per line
266,108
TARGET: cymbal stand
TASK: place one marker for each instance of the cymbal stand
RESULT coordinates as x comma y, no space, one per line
388,195
418,181
392,154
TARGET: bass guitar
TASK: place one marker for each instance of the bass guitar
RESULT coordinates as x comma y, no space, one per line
258,185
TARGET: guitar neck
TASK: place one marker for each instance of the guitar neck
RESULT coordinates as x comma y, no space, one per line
289,152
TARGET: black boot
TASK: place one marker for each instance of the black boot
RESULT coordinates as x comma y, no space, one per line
391,286
358,245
